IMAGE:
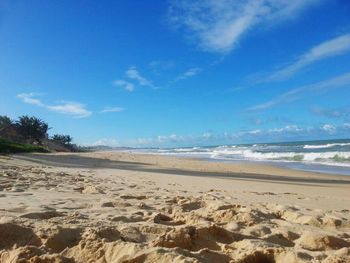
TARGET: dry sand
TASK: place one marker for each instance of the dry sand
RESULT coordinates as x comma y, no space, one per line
122,207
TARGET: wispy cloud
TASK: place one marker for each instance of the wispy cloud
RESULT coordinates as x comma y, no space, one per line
112,109
74,109
327,49
191,72
133,73
217,25
331,112
286,129
124,84
296,93
329,128
29,98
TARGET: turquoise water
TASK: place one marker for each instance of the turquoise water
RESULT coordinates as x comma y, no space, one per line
327,156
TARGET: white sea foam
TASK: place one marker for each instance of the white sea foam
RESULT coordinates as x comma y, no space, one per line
327,158
326,154
328,145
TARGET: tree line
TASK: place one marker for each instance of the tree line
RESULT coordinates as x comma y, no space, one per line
32,130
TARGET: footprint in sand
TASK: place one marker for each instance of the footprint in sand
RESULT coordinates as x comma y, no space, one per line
42,215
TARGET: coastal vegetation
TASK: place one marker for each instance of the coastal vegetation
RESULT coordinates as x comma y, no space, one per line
30,134
7,147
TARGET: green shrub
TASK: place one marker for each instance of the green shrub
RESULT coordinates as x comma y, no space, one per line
7,147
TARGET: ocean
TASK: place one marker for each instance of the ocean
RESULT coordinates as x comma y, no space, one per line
326,156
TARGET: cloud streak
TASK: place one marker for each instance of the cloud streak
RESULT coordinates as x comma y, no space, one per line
29,99
218,25
75,109
112,109
128,86
191,72
330,48
134,74
295,94
331,113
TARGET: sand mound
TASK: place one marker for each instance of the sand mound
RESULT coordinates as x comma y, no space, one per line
160,255
339,256
166,220
332,221
190,206
32,254
61,238
107,234
98,251
319,242
258,257
12,234
132,234
193,238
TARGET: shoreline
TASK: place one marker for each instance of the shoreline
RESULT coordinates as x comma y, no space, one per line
226,165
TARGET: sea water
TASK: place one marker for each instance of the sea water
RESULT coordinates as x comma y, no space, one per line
326,156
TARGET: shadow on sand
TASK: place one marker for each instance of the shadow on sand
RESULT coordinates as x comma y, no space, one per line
78,161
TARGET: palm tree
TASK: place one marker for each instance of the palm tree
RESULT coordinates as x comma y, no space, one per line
7,128
32,129
62,139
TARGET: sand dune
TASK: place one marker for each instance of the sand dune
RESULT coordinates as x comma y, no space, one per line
120,207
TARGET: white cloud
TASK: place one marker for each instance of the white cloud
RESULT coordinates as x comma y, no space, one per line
219,24
188,73
29,98
329,48
295,94
133,73
74,109
254,132
124,84
106,142
112,109
329,128
288,128
169,138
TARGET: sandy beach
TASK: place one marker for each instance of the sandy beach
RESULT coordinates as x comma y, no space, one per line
124,207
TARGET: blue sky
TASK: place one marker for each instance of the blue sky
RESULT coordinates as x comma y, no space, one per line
177,73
